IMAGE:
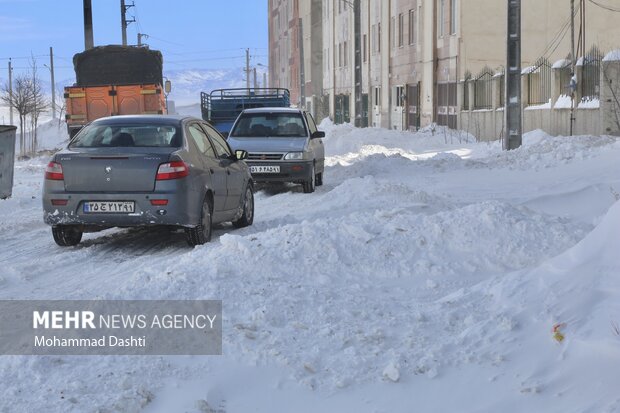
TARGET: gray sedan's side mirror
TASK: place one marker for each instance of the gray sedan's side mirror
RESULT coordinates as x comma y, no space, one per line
318,134
241,154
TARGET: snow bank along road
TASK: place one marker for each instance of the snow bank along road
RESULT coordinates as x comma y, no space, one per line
425,275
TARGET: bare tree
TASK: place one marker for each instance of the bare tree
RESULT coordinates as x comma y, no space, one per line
38,104
20,100
29,102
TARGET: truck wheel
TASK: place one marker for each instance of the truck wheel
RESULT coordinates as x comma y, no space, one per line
309,185
248,209
201,233
66,235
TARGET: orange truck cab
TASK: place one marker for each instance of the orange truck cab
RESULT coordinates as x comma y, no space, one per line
115,80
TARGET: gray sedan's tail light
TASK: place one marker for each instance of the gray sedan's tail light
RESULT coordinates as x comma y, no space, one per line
172,170
54,172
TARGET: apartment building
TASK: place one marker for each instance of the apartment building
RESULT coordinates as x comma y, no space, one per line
285,45
417,55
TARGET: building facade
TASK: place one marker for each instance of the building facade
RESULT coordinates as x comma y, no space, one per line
430,61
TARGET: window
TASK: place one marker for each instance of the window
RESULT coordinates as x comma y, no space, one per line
365,48
399,96
378,37
221,147
100,135
377,96
285,124
412,26
440,18
401,29
452,16
199,137
345,55
339,54
311,123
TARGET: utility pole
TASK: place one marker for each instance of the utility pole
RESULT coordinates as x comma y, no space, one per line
513,111
255,85
10,93
302,65
89,42
124,21
265,79
247,69
358,62
572,64
53,83
140,36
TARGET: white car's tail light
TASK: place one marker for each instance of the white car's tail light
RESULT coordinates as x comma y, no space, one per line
172,170
54,172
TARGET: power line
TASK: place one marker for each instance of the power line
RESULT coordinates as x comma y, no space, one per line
604,6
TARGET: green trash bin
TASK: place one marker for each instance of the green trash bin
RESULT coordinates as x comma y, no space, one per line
7,160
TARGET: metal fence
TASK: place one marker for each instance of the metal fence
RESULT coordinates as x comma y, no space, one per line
591,74
466,81
539,82
483,90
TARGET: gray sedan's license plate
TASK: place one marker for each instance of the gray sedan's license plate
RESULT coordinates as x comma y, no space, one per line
265,169
109,207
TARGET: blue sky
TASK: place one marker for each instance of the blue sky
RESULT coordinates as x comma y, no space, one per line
192,34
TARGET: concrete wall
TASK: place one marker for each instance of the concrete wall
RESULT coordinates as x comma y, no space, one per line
488,125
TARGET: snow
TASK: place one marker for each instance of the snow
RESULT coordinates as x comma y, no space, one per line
529,69
592,103
613,56
561,64
426,265
563,102
541,106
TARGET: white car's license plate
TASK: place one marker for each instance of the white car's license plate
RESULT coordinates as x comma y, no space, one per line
109,207
266,169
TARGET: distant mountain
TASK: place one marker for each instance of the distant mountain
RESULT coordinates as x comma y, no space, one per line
187,84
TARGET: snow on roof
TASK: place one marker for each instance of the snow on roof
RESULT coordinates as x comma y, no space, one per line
579,62
560,64
613,56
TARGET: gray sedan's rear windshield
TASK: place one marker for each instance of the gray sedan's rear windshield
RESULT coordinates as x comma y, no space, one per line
140,135
269,124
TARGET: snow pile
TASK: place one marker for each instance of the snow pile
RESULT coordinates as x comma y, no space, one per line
425,262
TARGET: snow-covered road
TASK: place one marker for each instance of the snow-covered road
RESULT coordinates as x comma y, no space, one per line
408,265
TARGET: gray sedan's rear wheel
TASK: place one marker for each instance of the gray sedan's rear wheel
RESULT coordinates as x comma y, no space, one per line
309,185
67,235
248,210
201,233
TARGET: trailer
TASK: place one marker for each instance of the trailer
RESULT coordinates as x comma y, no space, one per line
222,106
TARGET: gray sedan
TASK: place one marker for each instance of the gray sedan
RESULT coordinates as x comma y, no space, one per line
284,145
129,171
